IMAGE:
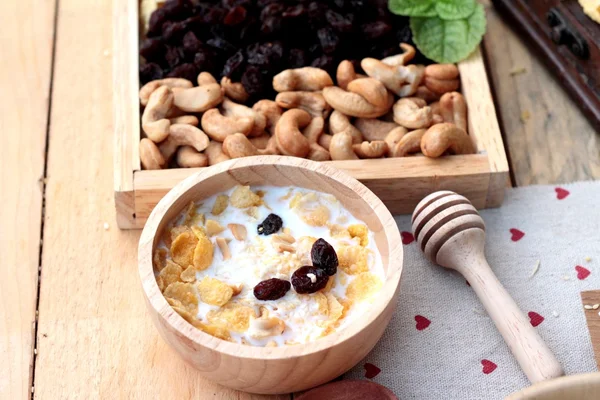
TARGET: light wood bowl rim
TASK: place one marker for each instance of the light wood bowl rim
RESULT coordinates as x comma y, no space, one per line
157,303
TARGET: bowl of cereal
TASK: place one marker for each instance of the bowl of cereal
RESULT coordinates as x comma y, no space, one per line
271,274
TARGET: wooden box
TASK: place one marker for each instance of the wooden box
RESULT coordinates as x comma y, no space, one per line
400,182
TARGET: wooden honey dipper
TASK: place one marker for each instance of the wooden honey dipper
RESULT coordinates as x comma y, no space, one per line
451,233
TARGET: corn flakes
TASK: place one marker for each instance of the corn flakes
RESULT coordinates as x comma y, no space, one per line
252,212
203,253
260,328
360,231
338,231
213,291
182,248
243,197
322,304
220,205
213,330
213,227
329,285
178,230
353,259
159,259
168,275
363,286
199,231
317,217
233,316
185,293
189,214
189,274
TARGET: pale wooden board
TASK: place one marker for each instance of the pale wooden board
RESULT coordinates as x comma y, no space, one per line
592,297
555,144
25,63
95,338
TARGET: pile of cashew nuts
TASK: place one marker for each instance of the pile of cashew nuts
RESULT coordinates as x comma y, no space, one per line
395,110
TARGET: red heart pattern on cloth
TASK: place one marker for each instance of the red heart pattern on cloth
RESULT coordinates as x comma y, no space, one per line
422,322
561,193
534,318
516,234
371,371
407,237
582,272
488,366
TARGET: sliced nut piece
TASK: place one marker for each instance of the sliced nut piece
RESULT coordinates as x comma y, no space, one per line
312,102
221,203
283,247
453,108
341,147
224,247
183,135
215,154
231,109
402,80
271,111
151,86
235,91
185,119
199,99
426,94
150,155
286,237
238,231
374,129
339,123
218,127
374,149
393,138
309,79
212,227
325,140
205,78
189,157
237,289
408,144
446,137
412,113
290,140
154,123
401,59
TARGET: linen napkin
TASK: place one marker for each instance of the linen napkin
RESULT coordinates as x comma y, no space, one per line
544,246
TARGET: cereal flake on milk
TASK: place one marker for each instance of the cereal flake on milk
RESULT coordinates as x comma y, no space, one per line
268,266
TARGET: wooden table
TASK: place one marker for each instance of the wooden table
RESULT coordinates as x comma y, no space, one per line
93,336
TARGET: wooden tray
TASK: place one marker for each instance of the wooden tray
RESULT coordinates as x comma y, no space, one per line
400,182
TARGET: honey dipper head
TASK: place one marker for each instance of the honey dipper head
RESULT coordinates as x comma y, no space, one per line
443,217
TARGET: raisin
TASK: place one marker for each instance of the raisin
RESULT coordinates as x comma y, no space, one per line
235,16
329,40
296,58
340,23
150,72
270,225
271,289
191,44
375,30
204,60
221,44
174,56
303,283
187,71
173,31
157,19
270,25
324,257
254,81
152,49
234,66
294,11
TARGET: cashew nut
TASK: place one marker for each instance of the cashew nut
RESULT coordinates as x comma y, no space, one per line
354,103
339,123
408,144
183,135
325,141
453,108
271,111
200,98
205,78
154,123
151,86
150,155
218,126
290,140
312,102
441,78
446,137
309,79
374,149
374,129
412,113
402,58
188,157
238,145
314,129
318,153
231,109
235,91
426,94
340,147
215,154
402,80
261,142
185,119
345,74
393,137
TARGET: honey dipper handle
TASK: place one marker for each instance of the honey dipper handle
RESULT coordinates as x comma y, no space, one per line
535,358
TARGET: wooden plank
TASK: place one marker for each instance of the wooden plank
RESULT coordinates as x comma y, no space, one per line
126,108
95,337
592,317
548,138
24,83
400,182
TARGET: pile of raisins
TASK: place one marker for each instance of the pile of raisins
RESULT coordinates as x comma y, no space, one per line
250,41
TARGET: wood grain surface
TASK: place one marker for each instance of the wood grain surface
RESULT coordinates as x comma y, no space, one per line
25,84
548,138
592,317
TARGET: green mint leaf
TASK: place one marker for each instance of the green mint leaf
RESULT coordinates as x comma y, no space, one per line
454,9
413,8
448,41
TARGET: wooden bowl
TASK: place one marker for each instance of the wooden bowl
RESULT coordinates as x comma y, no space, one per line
274,369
